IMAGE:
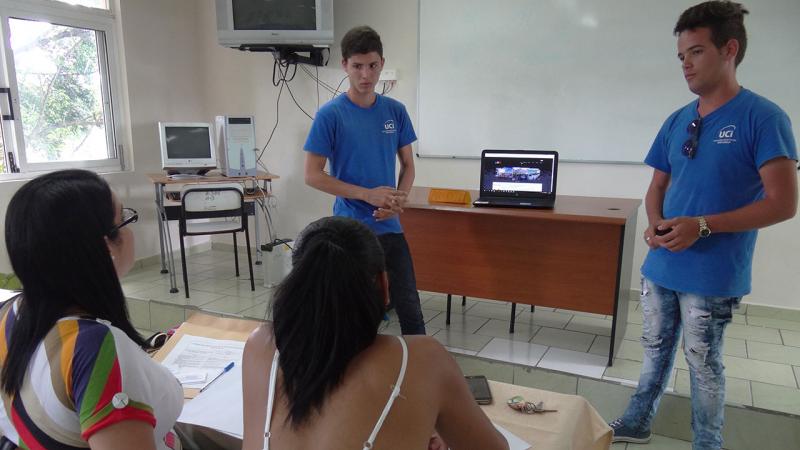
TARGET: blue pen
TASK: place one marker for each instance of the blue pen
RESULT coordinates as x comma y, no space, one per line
226,369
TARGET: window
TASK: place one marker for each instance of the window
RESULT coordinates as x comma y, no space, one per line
58,70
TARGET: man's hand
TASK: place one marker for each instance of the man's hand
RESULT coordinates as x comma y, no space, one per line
386,197
650,235
685,232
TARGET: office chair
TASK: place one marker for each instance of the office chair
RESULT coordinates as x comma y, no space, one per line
214,201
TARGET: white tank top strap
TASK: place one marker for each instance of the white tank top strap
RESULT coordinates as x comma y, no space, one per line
395,393
273,375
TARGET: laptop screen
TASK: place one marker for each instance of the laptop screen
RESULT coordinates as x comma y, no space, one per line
518,173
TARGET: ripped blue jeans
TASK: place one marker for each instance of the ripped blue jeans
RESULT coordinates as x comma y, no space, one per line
703,320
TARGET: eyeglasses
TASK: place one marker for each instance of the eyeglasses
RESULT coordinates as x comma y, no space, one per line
690,146
129,215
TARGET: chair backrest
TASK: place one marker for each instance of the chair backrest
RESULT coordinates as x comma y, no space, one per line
212,197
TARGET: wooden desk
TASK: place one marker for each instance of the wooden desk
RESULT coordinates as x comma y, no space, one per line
576,425
577,256
168,210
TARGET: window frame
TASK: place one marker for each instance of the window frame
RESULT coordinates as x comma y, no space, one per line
110,68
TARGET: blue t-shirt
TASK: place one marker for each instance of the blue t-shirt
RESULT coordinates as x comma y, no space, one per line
734,142
361,145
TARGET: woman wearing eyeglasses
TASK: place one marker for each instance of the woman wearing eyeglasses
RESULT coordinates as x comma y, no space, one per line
73,370
322,377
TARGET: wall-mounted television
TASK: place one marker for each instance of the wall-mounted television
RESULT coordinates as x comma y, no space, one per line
187,147
263,24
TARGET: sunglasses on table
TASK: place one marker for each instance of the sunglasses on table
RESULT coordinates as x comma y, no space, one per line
690,146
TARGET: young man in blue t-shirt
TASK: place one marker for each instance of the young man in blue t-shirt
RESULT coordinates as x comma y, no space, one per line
724,166
363,134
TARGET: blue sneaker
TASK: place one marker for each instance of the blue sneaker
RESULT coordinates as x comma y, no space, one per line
623,433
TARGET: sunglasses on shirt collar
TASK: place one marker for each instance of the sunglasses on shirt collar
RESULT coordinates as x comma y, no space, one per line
691,144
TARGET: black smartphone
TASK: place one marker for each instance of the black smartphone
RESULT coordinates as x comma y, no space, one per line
662,232
480,389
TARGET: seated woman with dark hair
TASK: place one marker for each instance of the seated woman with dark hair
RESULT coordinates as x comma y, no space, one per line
74,374
321,377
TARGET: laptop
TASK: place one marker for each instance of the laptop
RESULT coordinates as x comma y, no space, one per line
518,178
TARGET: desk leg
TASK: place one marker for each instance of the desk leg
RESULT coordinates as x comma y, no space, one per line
447,319
159,208
463,300
258,232
513,316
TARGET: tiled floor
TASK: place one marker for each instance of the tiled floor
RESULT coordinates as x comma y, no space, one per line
762,345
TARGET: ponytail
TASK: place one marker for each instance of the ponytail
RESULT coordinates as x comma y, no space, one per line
327,310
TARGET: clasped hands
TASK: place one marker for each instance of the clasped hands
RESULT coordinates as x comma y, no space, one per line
681,233
389,201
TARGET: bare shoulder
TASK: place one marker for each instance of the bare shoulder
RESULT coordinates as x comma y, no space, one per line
260,343
431,353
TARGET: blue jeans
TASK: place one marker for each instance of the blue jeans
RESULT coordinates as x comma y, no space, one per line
402,283
703,319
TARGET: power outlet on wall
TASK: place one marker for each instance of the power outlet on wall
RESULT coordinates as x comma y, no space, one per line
388,75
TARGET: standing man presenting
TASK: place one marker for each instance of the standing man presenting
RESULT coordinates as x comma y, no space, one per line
362,133
724,166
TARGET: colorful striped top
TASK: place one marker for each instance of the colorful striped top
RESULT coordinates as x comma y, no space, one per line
84,376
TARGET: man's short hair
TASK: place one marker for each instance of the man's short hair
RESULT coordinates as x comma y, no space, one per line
361,40
725,19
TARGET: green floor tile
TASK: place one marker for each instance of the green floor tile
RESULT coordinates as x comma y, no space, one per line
753,333
773,323
624,369
791,338
659,442
546,380
771,312
569,340
747,429
776,398
761,371
775,353
139,312
492,370
591,325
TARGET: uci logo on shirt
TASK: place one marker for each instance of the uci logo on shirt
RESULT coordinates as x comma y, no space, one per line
388,127
726,135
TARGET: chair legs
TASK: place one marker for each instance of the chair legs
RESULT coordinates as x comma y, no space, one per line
235,253
183,264
249,259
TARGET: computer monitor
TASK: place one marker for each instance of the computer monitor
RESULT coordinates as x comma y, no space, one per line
187,147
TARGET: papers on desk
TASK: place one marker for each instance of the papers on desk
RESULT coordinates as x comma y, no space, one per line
514,442
195,360
220,406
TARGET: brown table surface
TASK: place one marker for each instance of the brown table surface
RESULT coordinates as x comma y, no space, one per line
575,426
567,208
214,177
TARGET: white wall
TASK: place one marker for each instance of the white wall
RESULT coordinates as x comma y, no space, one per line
176,71
239,80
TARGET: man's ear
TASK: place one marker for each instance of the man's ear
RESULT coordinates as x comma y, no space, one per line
383,284
732,49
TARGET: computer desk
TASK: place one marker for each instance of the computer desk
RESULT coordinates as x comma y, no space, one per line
170,210
577,256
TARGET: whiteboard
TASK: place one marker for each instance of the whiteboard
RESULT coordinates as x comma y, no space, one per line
592,79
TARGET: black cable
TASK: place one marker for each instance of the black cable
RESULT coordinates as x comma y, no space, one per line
286,83
324,85
277,120
337,87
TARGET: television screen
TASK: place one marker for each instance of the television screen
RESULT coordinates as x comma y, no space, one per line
187,142
274,15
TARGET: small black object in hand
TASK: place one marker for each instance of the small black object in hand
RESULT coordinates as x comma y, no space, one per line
662,232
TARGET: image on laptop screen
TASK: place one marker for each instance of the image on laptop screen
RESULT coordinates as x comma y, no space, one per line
506,173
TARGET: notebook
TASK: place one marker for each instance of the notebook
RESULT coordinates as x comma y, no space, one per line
518,178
